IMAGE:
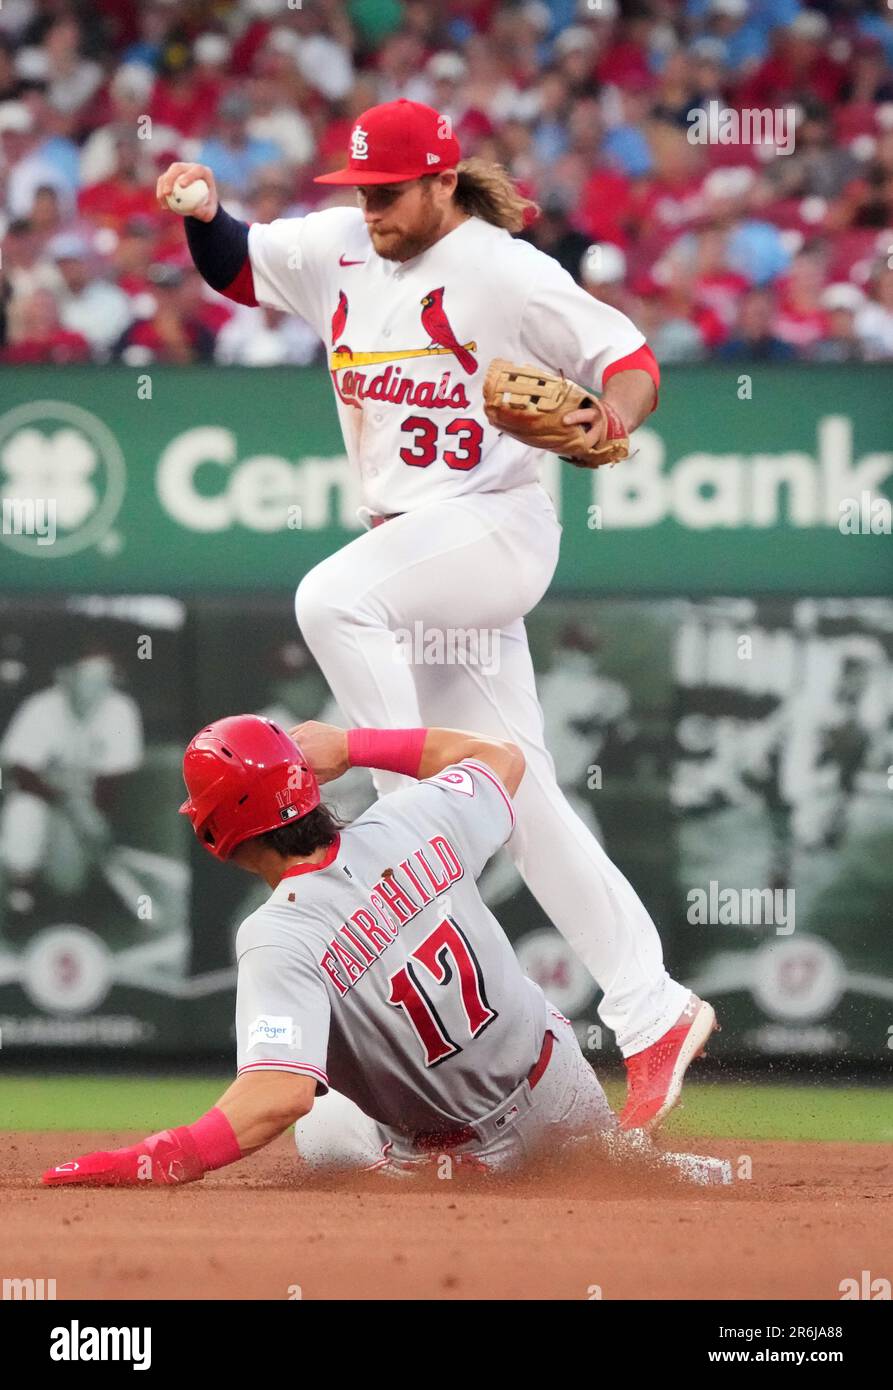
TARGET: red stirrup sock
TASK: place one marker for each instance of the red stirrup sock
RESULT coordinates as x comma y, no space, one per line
390,750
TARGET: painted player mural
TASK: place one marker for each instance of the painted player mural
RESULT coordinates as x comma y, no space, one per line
65,747
427,301
375,967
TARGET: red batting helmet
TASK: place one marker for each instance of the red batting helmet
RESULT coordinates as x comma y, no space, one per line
244,777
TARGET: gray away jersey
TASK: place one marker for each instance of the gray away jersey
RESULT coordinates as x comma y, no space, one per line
381,972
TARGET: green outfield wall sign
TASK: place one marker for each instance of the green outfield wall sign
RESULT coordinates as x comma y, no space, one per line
768,479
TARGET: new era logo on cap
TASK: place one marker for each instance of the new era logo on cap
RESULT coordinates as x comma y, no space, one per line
395,142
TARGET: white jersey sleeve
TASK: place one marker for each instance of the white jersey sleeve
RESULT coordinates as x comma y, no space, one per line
121,749
564,328
282,1011
478,806
32,735
292,258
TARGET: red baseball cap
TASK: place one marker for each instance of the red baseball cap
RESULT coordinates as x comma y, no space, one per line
396,142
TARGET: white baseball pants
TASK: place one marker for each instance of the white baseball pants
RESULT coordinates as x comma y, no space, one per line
480,563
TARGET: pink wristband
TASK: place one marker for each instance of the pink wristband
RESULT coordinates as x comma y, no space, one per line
215,1140
391,750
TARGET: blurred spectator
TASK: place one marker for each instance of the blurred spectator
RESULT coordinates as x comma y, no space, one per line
72,79
128,191
800,319
182,104
818,167
232,153
626,144
24,268
322,53
265,338
35,335
602,273
574,53
9,79
755,340
744,39
272,196
681,299
130,92
868,200
133,254
274,121
400,71
672,336
869,79
47,213
57,147
675,91
171,329
670,197
874,321
877,25
96,310
156,21
446,74
840,341
27,169
553,233
799,67
755,248
721,247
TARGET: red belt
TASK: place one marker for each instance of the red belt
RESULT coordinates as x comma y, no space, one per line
388,516
443,1139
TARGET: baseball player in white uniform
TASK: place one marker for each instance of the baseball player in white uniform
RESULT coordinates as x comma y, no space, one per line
414,292
374,966
64,747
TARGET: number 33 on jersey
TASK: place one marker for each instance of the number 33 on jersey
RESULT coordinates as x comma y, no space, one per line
409,344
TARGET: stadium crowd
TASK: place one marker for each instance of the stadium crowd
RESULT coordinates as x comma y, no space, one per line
722,246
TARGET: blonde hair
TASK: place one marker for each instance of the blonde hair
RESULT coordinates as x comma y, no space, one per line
487,191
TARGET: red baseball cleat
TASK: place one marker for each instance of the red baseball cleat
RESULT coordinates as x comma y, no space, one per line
655,1075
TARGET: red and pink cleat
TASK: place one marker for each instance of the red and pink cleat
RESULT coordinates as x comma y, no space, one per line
655,1075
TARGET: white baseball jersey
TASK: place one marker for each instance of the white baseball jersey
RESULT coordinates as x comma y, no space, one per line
409,344
381,972
45,733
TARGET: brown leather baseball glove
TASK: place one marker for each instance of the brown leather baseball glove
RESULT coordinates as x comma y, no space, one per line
530,404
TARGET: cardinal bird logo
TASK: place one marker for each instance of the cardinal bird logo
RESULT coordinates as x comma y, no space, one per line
339,323
437,325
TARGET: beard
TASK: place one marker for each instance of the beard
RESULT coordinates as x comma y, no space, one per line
403,246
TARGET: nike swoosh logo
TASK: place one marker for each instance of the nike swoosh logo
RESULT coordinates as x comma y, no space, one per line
342,261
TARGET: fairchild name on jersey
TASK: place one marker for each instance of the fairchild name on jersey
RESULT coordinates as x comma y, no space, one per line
368,932
391,385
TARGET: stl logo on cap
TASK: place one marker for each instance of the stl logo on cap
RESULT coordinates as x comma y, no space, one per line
396,142
359,143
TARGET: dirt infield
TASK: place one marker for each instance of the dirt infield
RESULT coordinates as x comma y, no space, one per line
810,1216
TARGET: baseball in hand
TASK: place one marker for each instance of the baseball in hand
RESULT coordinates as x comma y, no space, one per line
185,199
